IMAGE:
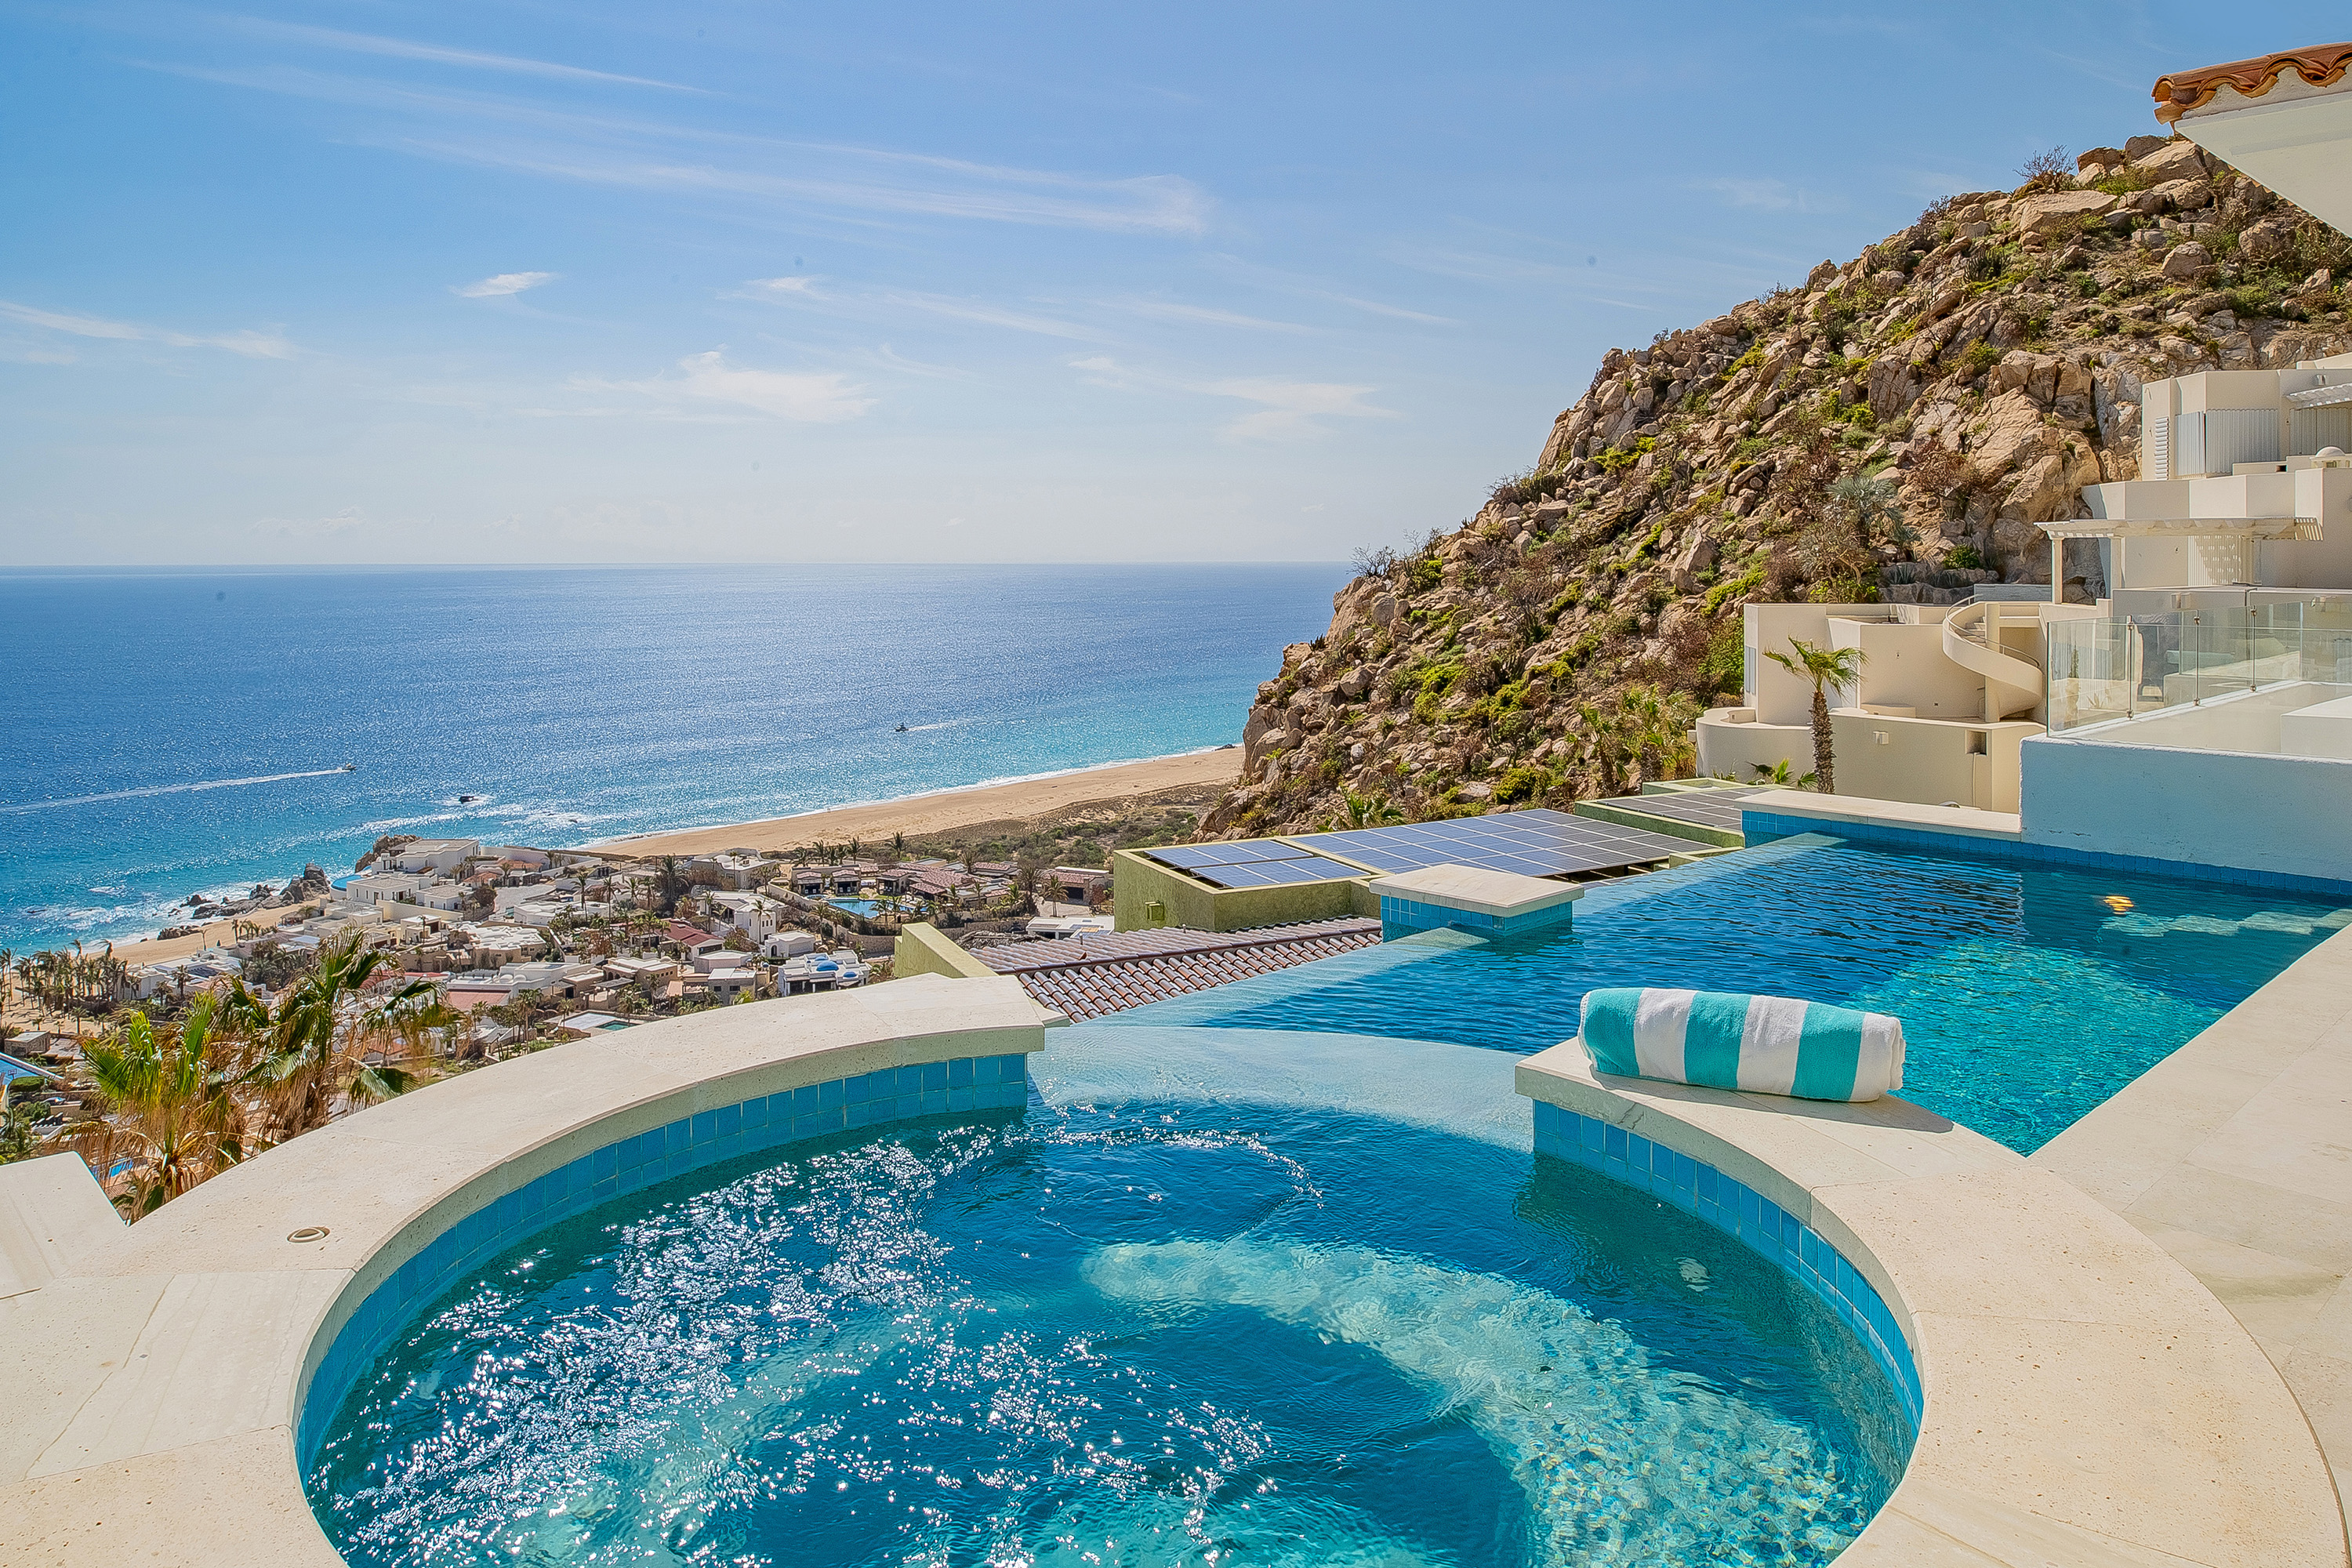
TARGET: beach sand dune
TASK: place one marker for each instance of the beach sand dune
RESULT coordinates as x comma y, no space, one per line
951,810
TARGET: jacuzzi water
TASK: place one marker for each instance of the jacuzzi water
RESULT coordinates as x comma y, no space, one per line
1219,1298
2028,995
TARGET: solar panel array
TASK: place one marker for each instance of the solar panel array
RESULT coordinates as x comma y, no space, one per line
1253,863
1540,843
1705,807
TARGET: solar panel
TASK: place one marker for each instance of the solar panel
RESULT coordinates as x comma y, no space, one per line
1246,852
1302,868
1704,807
1538,843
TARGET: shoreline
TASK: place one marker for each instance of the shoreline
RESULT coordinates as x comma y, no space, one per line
944,810
934,812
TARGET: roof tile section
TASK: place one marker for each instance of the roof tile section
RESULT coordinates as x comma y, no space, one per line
1089,976
2322,65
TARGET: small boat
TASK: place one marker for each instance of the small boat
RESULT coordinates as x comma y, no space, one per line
467,799
351,767
902,730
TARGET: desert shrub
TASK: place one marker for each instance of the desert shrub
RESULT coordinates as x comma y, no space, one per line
2049,171
1374,560
1724,666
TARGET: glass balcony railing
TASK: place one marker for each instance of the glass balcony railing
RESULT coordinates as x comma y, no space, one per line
2102,671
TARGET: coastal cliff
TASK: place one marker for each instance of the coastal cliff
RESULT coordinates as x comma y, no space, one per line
1893,428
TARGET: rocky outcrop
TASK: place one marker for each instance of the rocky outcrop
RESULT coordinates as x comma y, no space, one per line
1897,426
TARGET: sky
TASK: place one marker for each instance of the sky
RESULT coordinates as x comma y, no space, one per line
522,282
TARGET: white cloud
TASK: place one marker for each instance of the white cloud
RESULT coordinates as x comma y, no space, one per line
1289,410
250,343
505,283
1770,195
1292,407
871,303
804,397
436,54
1166,310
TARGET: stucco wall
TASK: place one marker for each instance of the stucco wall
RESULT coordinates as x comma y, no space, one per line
1138,883
2284,816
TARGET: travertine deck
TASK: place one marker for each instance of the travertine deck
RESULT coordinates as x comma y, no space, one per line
2234,1154
2087,1402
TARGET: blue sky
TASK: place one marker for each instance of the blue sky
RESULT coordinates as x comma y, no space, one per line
525,282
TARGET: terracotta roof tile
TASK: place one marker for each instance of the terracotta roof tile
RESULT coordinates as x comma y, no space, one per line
2177,93
1087,977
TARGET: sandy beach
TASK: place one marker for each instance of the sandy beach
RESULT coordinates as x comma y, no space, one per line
950,809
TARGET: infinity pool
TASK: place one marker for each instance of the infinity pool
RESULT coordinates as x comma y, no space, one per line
2028,995
1206,1303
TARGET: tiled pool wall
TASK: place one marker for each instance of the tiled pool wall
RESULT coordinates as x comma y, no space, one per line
708,1137
1697,1187
1404,917
1761,827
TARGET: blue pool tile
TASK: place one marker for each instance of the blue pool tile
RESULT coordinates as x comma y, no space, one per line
831,1094
1613,1143
935,1101
960,1073
935,1076
726,1120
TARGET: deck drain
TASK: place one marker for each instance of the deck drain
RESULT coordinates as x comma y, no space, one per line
307,1233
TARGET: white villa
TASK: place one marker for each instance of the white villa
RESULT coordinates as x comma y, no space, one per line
2202,713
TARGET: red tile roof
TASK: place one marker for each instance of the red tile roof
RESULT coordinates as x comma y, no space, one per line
1107,973
2322,65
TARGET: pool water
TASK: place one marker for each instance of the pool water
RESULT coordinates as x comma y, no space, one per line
2028,995
1136,1325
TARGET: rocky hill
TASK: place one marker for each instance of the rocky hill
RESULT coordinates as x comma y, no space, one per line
1894,428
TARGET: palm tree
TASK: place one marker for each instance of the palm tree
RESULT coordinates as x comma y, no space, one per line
171,1121
1777,774
311,1050
1656,730
1824,667
1368,810
1600,739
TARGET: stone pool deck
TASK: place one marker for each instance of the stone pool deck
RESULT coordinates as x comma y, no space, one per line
2234,1154
2087,1401
157,1375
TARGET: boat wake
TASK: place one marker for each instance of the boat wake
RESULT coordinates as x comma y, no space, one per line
166,789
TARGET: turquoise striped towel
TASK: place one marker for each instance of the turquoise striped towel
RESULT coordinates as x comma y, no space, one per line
1766,1045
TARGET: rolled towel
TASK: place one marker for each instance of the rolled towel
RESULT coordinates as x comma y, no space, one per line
1765,1044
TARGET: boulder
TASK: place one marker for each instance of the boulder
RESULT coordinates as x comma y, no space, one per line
2036,375
2266,241
2139,147
2098,160
1356,683
2176,159
2057,211
1384,611
2186,195
1820,275
1892,386
2188,262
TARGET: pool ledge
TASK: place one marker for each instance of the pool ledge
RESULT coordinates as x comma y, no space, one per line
157,1372
2086,1400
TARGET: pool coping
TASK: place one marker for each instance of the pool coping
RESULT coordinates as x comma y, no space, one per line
2232,1155
161,1371
2086,1400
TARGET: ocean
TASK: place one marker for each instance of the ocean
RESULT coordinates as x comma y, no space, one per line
175,731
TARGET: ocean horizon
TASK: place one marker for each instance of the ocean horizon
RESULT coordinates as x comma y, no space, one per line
185,731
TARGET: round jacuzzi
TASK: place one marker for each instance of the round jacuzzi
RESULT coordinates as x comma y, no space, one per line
1210,1297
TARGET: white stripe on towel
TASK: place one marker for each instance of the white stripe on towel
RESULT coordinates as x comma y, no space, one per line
1767,1046
1660,1020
